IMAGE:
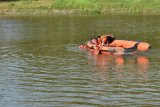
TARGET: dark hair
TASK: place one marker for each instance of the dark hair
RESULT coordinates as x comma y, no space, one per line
110,39
91,38
98,37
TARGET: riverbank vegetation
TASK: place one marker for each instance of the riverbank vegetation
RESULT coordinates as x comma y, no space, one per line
147,7
25,7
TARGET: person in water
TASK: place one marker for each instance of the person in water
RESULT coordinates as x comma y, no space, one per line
100,41
105,40
93,43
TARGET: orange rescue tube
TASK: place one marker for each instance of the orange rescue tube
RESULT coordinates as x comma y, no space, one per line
140,46
113,49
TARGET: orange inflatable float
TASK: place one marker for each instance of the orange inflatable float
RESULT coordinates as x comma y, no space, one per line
140,46
119,47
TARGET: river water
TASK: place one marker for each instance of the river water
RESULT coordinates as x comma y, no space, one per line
42,66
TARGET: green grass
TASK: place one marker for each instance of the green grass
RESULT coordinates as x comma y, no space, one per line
149,7
110,6
25,7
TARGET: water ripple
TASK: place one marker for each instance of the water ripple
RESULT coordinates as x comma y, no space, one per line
64,75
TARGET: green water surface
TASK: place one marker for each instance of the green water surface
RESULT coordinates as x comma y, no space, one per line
42,66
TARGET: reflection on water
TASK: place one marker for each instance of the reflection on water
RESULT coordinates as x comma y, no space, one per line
119,63
42,66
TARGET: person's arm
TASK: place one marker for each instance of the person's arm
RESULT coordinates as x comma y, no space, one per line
101,44
104,42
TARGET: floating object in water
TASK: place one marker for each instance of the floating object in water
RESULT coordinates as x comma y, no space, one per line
119,47
108,50
139,46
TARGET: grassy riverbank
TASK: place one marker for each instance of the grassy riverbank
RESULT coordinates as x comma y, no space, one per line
146,7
